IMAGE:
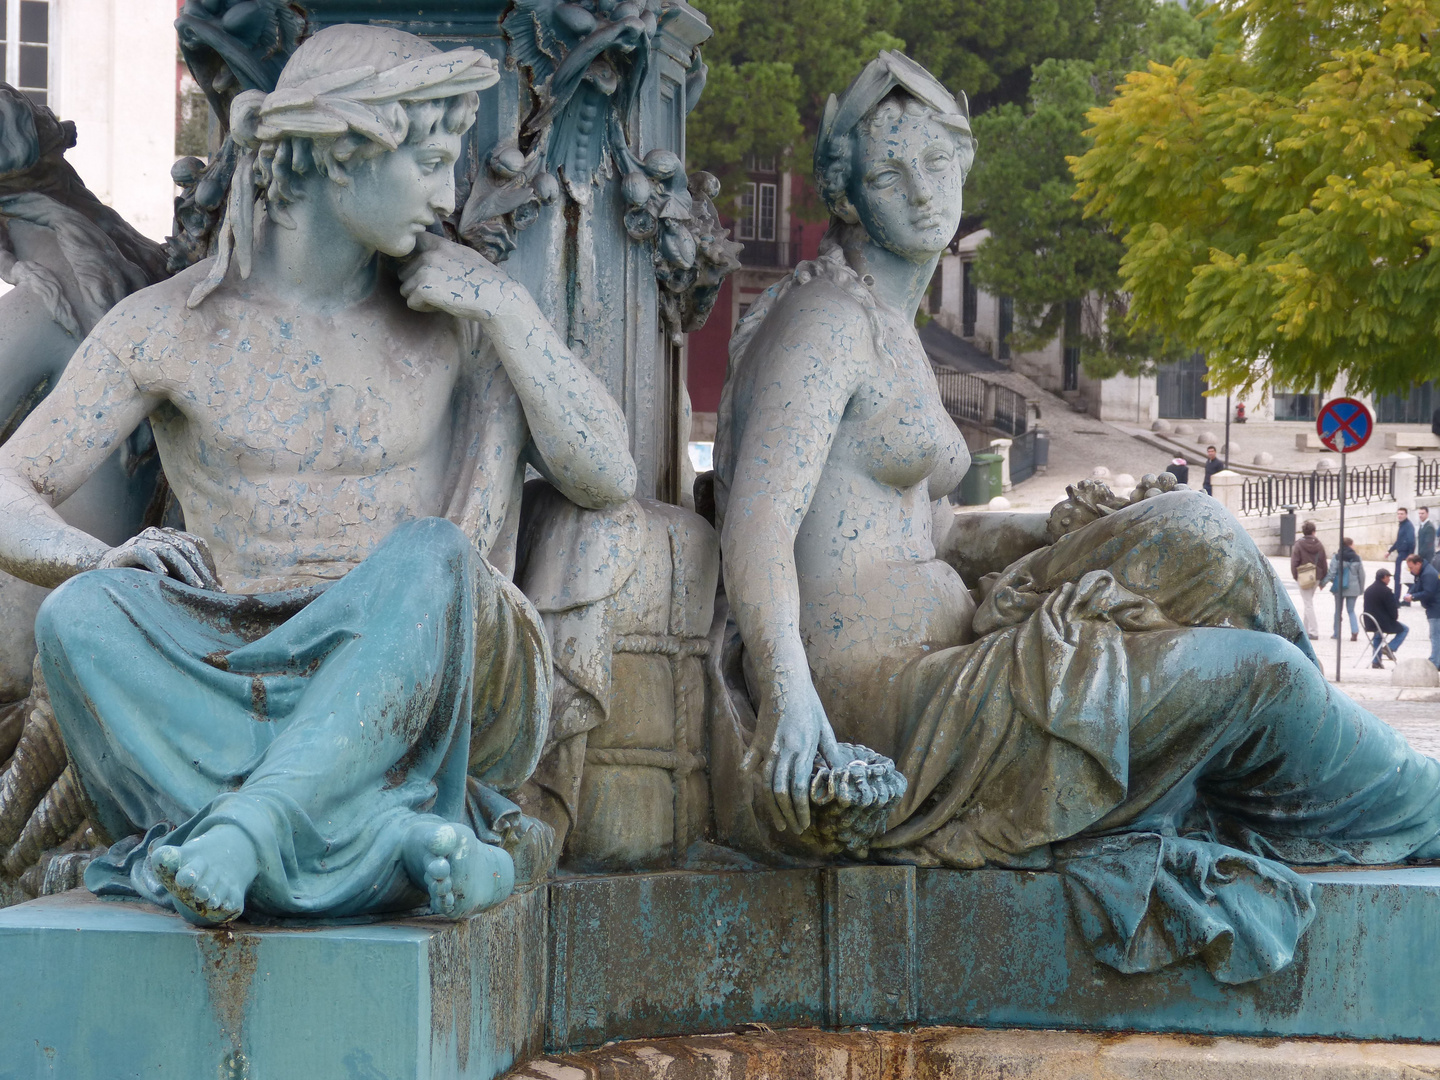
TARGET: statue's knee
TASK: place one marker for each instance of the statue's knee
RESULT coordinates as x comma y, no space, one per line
77,606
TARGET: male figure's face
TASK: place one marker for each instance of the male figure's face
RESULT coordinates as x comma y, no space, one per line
1210,452
1401,515
1424,513
390,199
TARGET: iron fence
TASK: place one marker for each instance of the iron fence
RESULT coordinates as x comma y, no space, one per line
1022,457
963,395
778,254
1363,484
969,398
1427,478
1009,412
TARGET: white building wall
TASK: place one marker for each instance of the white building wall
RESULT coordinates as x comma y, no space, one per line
113,74
1124,399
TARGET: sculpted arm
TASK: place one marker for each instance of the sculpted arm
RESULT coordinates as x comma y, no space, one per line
804,378
576,427
93,407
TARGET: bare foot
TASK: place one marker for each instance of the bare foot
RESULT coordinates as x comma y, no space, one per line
461,874
208,875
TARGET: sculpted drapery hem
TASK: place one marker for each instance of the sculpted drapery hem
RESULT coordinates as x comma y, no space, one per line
324,722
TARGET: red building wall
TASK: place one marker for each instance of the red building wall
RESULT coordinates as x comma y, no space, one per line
709,347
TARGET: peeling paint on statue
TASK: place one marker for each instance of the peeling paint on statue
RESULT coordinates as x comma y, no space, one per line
343,405
1133,700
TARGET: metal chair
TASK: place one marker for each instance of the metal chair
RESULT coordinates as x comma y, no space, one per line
1370,628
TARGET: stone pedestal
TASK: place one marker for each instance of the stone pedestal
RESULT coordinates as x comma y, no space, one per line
106,990
112,990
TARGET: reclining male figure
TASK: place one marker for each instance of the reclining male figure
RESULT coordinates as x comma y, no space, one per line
288,698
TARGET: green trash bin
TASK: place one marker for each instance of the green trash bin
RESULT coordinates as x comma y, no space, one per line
983,482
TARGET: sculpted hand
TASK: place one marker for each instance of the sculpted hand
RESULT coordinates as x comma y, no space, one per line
797,719
169,553
444,276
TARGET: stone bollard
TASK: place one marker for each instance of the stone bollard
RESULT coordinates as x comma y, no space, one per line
1414,671
1225,486
1002,447
1407,476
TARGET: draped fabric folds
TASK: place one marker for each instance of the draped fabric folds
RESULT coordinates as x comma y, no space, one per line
324,722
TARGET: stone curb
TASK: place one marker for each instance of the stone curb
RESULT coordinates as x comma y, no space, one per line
946,1053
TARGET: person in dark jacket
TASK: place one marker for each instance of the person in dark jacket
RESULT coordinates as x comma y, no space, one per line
1381,605
1213,464
1404,545
1179,469
1425,535
1425,591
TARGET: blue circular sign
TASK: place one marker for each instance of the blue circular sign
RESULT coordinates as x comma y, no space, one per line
1345,424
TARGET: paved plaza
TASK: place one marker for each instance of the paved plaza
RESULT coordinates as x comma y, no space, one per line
1414,712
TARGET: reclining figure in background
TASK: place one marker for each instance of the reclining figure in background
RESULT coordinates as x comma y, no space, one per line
309,702
1132,700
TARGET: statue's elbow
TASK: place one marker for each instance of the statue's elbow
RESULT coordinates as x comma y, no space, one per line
609,487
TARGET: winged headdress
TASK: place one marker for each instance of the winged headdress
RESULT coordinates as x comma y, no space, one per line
888,71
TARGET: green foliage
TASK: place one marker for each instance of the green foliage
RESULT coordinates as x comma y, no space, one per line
1278,201
1042,250
772,65
988,47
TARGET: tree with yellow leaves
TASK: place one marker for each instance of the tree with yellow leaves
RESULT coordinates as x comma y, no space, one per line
1279,200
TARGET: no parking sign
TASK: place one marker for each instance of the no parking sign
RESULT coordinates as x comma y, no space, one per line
1345,424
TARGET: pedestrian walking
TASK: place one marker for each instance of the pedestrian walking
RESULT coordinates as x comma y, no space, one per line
1180,469
1347,583
1309,569
1425,591
1384,609
1404,545
1425,535
1213,464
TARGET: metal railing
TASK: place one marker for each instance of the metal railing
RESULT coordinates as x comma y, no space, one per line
1010,412
1427,477
971,399
963,395
1270,494
780,254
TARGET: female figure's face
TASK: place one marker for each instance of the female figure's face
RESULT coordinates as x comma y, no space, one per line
906,182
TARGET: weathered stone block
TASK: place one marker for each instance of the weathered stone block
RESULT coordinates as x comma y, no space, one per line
998,948
869,945
112,990
653,954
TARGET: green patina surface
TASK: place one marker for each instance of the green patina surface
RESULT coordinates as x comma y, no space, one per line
592,959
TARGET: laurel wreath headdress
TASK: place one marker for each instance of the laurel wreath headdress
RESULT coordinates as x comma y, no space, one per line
328,106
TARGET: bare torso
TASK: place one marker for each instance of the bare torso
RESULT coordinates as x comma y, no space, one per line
873,595
295,442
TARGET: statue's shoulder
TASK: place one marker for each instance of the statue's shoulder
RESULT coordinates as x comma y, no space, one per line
822,288
157,313
821,313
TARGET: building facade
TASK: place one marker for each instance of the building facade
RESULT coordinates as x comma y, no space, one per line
1177,391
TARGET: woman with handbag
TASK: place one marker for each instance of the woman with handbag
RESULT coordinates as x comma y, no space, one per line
1308,568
